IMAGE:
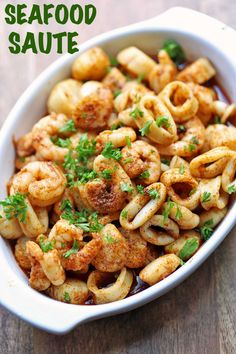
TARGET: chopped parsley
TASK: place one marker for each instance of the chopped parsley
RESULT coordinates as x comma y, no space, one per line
140,189
22,158
167,209
192,191
63,143
206,197
154,194
117,93
140,78
189,248
109,238
191,147
124,214
136,113
67,297
162,122
125,187
175,51
231,189
85,148
68,127
182,169
73,250
206,230
194,140
217,120
128,160
181,129
145,129
110,152
45,245
165,161
144,174
114,62
128,141
106,174
14,206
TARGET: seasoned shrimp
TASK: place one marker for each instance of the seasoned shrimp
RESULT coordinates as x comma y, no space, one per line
190,143
63,233
24,145
42,133
36,221
43,181
118,137
113,254
50,262
138,159
114,80
20,253
10,229
73,291
94,108
80,260
107,195
137,252
162,73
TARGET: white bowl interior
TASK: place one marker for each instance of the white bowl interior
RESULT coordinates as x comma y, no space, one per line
34,106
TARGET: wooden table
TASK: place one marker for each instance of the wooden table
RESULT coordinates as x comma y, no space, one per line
198,316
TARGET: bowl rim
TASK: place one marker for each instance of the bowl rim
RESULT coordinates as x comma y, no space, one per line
79,314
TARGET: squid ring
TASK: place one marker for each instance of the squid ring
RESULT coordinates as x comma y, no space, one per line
214,195
142,207
187,105
214,215
180,186
160,238
152,108
228,180
211,163
186,219
115,292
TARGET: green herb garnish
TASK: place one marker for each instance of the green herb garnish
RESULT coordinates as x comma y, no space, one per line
125,187
175,51
154,194
110,152
45,245
144,174
106,174
206,230
190,247
182,169
67,297
68,127
73,250
128,141
140,189
136,113
145,129
206,197
231,189
140,78
15,206
162,122
124,214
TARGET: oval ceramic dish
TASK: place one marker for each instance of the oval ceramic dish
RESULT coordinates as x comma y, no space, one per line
199,35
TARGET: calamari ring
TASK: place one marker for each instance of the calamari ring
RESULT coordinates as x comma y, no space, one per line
186,108
142,207
228,176
180,186
119,290
211,163
214,195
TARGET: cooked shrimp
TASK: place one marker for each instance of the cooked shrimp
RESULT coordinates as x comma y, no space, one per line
36,221
42,133
118,137
44,183
50,262
114,80
63,233
139,158
24,145
82,259
162,73
20,253
10,228
113,254
191,142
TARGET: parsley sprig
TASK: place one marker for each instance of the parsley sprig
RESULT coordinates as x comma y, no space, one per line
111,153
68,127
14,206
206,230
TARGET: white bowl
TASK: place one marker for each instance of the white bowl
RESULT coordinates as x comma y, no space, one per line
199,35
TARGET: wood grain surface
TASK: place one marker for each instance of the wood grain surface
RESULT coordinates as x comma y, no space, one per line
198,316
